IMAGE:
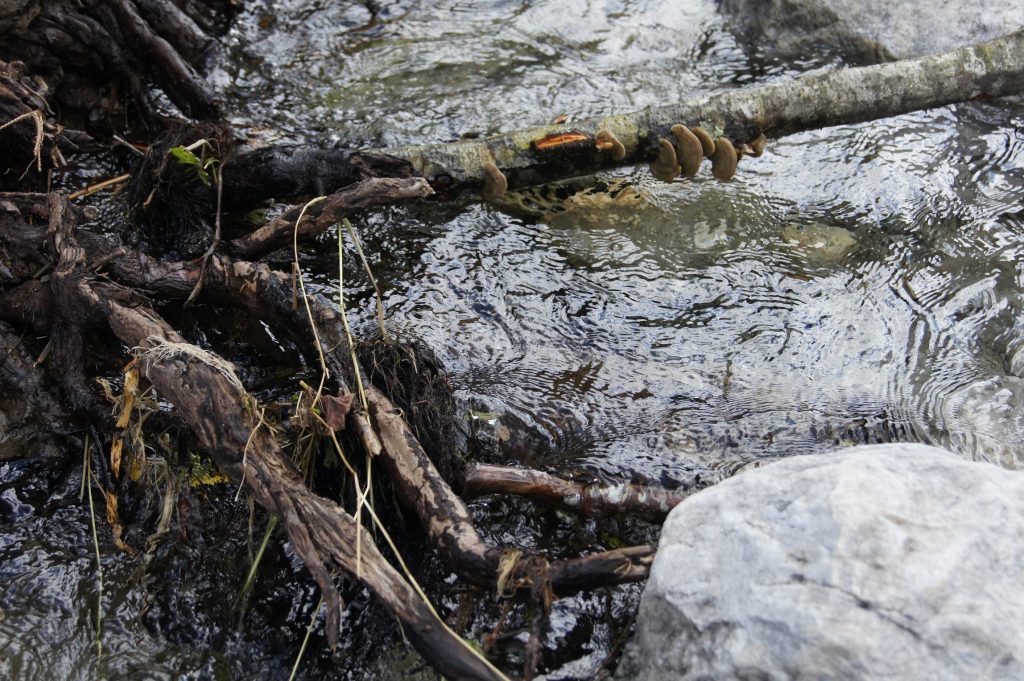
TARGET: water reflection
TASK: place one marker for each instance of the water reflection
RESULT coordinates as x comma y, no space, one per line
402,73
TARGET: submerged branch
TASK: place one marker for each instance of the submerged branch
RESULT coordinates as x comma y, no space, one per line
322,216
590,500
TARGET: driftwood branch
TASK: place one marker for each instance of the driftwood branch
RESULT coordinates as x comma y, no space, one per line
222,414
448,522
322,216
260,290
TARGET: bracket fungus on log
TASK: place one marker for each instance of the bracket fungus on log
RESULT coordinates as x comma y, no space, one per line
689,151
757,145
723,161
707,143
606,141
495,183
666,167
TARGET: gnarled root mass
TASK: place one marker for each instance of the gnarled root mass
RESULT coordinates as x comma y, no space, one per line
96,287
87,50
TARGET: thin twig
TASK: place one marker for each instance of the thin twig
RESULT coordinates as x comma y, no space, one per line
305,639
369,273
87,482
344,321
99,186
125,143
216,238
301,285
37,148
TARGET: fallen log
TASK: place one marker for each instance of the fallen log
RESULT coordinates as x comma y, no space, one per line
991,69
554,152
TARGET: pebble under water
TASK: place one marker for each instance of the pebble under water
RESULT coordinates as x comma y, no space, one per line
854,284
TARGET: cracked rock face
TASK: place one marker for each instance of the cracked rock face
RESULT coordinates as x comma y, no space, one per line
882,561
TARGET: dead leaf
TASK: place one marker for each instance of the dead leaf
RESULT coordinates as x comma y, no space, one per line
336,408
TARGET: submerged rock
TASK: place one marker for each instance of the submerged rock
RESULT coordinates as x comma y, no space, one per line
883,561
870,31
826,242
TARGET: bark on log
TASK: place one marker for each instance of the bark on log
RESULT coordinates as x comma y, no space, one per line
174,75
288,172
31,412
82,46
991,69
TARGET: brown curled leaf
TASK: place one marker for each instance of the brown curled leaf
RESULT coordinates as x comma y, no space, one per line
336,408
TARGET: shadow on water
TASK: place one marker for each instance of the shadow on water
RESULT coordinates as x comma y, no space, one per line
855,284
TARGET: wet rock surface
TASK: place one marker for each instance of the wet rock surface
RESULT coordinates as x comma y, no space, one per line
871,31
882,561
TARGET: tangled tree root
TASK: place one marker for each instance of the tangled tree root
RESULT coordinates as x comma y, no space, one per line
211,400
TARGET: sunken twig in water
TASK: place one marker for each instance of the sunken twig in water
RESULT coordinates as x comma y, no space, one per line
650,502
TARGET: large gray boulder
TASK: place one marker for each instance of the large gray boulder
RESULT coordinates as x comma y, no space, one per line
876,562
869,31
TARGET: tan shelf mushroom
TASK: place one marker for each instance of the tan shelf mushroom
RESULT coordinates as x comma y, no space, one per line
666,168
689,151
495,183
723,161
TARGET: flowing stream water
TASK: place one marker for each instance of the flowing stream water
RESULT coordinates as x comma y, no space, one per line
854,284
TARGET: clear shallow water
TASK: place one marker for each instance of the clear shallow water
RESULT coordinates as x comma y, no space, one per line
855,283
702,326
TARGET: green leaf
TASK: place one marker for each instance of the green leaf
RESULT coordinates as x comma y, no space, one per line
186,157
